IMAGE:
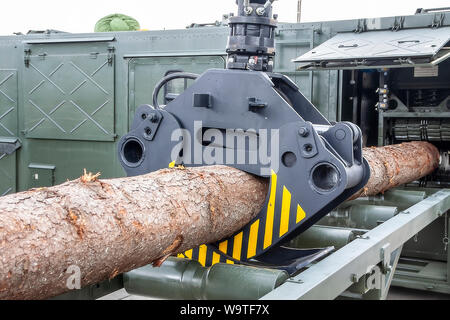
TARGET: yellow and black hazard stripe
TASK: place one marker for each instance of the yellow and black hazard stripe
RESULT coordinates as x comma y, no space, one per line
281,217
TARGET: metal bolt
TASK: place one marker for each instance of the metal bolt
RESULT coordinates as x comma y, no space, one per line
154,118
248,10
303,132
260,11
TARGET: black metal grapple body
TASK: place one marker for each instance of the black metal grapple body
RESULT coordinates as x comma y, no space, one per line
257,121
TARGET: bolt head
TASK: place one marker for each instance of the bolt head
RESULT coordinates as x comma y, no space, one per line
303,132
154,118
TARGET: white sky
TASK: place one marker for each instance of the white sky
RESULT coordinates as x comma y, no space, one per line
81,15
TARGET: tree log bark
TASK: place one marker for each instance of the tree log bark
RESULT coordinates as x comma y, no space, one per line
395,165
107,227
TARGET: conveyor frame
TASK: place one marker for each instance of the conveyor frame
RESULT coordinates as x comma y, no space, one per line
332,276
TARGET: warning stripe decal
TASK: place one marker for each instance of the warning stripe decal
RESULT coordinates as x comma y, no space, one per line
257,236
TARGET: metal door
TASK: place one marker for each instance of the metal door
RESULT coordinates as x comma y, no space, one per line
376,49
69,97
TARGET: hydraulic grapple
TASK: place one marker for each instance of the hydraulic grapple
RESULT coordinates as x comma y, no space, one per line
250,118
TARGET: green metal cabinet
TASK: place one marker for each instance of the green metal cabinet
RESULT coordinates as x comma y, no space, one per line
69,96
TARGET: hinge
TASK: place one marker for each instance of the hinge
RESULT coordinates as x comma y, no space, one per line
438,20
26,59
111,50
361,27
398,23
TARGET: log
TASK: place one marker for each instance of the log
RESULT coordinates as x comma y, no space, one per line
100,229
395,165
103,228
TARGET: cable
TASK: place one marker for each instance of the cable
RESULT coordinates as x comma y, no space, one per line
166,79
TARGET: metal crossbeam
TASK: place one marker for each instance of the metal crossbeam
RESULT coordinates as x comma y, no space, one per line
47,115
2,92
10,99
6,192
92,75
9,189
89,77
90,117
92,114
4,115
48,78
333,275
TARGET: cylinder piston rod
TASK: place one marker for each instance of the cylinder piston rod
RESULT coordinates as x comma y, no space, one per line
186,279
359,216
322,236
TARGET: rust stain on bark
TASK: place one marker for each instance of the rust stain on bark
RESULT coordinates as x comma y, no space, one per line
74,220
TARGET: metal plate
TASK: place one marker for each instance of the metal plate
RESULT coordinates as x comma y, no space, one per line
379,45
8,103
69,97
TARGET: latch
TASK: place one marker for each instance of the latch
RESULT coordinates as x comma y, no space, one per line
26,59
361,27
438,20
111,50
398,24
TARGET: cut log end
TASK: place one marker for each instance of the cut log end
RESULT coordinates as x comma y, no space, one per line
396,165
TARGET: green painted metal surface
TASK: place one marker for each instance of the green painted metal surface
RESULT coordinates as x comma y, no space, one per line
69,97
7,174
8,102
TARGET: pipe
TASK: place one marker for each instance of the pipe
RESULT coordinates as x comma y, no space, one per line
182,279
359,216
402,199
407,198
323,236
168,78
